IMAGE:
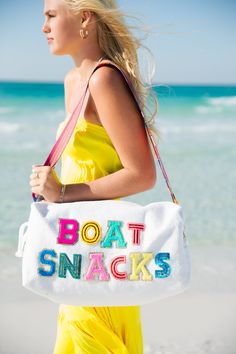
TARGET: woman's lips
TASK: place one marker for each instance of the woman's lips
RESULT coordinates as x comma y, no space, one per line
50,40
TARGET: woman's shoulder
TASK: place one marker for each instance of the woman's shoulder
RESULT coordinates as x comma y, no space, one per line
106,77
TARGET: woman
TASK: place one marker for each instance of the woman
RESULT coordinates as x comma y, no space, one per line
108,155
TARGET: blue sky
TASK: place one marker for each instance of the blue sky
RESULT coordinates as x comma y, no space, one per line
193,42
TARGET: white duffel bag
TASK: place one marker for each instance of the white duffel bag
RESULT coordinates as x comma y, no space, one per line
104,253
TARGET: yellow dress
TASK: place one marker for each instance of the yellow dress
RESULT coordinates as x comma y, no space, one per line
90,154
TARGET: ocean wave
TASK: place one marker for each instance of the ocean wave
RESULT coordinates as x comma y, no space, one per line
217,105
201,128
58,112
54,115
208,109
223,101
4,110
9,128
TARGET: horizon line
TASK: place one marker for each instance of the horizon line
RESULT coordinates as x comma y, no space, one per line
153,84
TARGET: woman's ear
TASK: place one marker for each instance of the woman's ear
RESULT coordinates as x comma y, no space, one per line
86,16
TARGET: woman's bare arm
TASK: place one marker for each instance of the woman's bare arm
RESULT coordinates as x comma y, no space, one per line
124,124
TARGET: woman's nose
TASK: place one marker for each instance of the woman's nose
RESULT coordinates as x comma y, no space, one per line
45,28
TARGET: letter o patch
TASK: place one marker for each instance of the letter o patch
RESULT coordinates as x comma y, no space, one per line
96,232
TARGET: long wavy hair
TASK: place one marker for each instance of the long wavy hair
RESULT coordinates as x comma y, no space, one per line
120,45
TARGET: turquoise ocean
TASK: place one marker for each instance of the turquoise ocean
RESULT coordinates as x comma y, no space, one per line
198,150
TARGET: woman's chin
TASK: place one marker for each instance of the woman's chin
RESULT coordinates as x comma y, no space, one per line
56,51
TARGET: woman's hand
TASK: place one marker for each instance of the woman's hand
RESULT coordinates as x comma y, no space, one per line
44,181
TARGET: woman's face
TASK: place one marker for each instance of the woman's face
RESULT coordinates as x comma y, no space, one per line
62,26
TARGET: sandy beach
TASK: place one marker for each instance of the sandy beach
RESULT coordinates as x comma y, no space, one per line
200,320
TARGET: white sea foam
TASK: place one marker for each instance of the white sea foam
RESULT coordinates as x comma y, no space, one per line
59,113
4,110
223,101
200,128
9,128
208,109
216,105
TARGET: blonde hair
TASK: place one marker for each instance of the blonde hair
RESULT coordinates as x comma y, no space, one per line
120,46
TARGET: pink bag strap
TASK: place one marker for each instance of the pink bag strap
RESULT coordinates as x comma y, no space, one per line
65,135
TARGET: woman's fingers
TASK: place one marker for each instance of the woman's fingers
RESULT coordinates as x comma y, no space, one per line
45,182
40,168
34,175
